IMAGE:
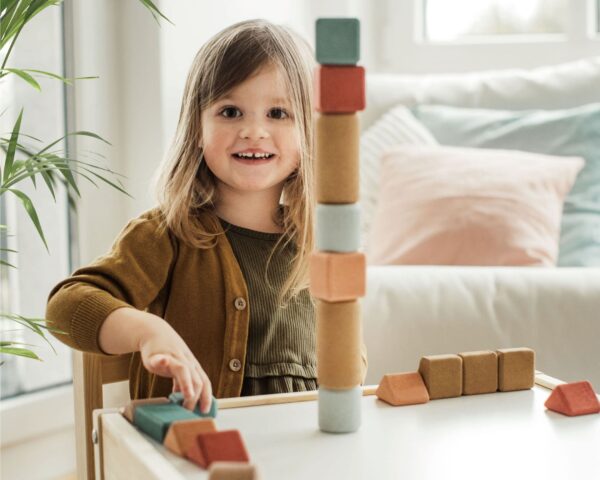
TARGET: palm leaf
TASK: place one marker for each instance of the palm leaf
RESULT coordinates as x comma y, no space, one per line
29,207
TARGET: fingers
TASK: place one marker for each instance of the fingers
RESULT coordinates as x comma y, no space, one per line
188,378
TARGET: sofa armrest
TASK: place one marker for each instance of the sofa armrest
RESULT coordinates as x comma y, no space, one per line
411,311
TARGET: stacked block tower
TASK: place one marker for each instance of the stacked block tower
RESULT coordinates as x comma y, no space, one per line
337,268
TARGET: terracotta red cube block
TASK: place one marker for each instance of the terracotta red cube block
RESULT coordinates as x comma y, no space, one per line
221,446
337,277
339,89
577,398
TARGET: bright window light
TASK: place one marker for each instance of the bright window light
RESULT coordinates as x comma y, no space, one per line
458,19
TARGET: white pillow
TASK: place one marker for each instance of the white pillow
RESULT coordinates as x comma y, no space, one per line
396,127
551,87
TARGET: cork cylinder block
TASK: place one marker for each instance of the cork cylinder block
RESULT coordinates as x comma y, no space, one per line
338,227
337,277
339,337
442,375
339,410
337,158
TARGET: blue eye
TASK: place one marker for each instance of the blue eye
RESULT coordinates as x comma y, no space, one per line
230,112
279,113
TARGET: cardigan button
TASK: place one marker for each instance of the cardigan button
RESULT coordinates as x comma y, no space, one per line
235,365
240,303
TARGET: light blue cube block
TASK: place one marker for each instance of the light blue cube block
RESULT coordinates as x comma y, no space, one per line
338,227
339,410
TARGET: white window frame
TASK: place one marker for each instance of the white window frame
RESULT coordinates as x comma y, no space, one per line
403,48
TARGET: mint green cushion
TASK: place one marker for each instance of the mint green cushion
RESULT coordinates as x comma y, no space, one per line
569,132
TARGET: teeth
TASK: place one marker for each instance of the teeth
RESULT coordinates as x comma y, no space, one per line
254,155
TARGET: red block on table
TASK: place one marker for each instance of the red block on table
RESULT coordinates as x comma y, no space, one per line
577,398
339,89
222,446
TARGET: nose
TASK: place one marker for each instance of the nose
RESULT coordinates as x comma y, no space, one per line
253,128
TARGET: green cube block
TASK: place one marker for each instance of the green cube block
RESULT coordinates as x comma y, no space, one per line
338,41
155,420
177,397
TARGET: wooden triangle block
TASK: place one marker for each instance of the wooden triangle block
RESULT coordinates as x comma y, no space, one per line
577,398
182,434
131,406
402,389
223,446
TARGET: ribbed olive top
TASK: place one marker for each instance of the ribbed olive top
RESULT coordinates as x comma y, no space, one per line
280,355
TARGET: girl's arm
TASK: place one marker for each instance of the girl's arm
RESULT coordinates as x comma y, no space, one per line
162,350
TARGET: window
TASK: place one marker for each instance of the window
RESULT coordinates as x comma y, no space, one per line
24,290
463,19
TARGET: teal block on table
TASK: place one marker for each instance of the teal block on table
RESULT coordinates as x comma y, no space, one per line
177,397
339,410
338,227
338,41
155,419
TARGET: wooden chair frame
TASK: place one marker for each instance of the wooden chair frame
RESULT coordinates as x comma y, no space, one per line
90,373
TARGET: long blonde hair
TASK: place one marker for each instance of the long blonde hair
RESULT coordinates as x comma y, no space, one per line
184,184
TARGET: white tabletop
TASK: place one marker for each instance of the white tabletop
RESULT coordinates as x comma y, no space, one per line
499,435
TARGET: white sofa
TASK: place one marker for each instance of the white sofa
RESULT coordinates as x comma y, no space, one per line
411,311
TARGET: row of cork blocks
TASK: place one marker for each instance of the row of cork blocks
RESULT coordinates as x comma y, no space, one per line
337,268
193,435
469,373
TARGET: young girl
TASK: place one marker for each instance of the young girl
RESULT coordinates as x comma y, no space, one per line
210,288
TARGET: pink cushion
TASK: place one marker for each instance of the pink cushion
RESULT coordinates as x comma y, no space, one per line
467,206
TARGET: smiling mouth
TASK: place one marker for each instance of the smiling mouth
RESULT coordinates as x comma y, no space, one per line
253,156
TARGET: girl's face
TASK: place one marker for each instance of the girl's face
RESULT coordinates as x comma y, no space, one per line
249,138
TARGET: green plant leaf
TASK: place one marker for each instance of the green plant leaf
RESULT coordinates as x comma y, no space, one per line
155,11
20,352
12,145
24,75
28,204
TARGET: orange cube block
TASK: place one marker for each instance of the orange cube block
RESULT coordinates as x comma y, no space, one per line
337,277
339,89
577,398
182,434
222,446
402,389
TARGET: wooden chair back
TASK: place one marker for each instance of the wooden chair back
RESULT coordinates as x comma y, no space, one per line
90,373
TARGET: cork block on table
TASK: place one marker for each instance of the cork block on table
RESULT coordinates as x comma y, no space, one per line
338,41
402,389
339,89
442,375
337,277
155,420
480,372
233,471
129,411
338,227
339,410
225,445
182,434
337,158
516,369
576,398
339,340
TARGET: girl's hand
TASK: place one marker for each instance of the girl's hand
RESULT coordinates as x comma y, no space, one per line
165,353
